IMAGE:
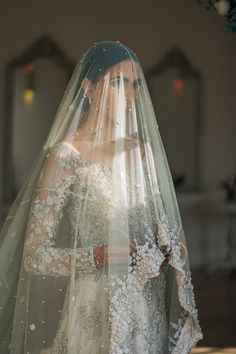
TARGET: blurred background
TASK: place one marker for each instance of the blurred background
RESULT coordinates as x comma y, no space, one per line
189,61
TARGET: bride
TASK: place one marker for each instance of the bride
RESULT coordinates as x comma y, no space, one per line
101,264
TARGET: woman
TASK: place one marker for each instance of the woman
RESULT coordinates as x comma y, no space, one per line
95,258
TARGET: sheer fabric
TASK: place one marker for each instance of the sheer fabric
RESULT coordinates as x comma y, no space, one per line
84,247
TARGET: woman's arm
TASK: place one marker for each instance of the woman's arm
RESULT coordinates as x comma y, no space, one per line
41,256
114,254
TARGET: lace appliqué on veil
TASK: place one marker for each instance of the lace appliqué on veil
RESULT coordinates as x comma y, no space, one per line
148,259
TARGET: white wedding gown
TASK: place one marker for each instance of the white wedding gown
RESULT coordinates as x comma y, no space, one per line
147,321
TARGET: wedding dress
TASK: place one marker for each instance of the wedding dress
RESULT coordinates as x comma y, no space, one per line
148,319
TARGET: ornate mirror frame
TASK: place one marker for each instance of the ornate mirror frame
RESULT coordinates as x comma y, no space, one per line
44,47
176,59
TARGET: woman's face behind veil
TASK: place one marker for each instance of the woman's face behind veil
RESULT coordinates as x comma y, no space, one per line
113,97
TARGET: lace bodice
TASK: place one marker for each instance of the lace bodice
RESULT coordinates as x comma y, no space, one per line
64,182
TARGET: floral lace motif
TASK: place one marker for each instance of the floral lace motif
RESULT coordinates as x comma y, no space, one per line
42,257
145,266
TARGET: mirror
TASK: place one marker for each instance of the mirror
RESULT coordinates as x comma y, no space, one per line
35,83
176,90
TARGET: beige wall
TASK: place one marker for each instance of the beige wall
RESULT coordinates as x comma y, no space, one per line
149,27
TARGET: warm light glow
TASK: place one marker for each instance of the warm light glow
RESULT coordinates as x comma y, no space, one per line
29,95
29,68
178,84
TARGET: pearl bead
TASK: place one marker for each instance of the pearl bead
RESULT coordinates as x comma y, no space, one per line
32,326
22,299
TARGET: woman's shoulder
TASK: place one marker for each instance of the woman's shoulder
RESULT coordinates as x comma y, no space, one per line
64,148
64,154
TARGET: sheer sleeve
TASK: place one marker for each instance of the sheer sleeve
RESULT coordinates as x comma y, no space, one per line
41,256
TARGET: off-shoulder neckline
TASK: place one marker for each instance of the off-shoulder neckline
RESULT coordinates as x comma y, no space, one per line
92,163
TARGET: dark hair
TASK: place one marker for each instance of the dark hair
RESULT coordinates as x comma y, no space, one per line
103,55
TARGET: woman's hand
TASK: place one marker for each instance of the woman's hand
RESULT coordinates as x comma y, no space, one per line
115,254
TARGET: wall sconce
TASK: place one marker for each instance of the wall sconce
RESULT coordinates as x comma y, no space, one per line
178,84
29,92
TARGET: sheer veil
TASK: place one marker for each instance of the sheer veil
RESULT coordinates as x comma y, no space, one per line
83,248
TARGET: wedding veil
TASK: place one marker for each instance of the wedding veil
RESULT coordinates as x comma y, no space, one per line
83,246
